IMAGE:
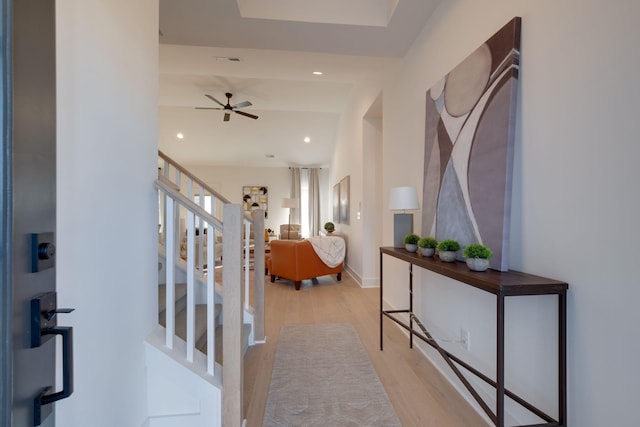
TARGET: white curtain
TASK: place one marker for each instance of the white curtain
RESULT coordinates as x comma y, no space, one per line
295,194
314,201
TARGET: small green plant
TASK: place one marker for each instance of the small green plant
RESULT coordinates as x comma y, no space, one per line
427,242
411,239
448,245
329,226
477,250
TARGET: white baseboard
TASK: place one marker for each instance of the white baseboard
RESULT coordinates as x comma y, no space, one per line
353,274
363,282
370,282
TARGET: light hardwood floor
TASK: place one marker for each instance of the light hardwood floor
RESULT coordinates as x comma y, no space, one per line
418,392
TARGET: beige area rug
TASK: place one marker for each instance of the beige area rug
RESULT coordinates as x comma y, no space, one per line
322,376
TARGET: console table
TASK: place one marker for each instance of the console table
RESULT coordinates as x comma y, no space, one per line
501,284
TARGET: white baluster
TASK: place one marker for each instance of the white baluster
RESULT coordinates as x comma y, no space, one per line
201,236
211,307
191,306
170,272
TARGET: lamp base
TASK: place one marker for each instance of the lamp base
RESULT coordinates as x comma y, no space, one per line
402,225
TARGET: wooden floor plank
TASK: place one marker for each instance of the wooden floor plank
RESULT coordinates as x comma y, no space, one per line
419,394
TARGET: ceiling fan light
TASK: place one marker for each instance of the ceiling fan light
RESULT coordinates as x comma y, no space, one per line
228,107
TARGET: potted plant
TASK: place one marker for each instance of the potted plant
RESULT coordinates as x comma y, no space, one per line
411,242
427,245
477,256
329,226
448,250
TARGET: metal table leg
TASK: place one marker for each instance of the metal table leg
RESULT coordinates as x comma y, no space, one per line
410,305
562,358
500,362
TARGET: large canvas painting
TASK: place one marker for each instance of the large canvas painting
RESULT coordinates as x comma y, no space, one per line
469,137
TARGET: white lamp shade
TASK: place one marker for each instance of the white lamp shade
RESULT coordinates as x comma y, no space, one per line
403,198
290,203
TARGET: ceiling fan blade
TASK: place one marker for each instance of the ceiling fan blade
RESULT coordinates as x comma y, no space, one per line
226,117
209,108
246,114
214,100
242,104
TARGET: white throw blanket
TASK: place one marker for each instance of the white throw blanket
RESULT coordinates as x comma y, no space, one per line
330,249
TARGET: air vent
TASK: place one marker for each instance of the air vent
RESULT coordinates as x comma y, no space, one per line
227,58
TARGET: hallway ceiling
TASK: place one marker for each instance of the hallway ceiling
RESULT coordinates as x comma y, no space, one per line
278,44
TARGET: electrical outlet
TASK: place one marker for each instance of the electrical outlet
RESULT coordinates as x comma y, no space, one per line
465,339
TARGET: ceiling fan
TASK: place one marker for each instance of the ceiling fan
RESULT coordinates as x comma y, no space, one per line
228,108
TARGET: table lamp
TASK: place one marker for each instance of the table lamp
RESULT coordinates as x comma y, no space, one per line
291,204
402,198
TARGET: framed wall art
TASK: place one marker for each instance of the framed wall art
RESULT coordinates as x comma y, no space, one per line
344,200
255,197
336,203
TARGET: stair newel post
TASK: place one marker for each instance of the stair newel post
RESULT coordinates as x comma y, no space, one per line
232,290
258,277
170,259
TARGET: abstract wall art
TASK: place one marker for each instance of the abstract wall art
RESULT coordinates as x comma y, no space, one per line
469,138
255,197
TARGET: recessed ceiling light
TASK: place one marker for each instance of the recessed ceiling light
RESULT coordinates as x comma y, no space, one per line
180,135
318,73
307,139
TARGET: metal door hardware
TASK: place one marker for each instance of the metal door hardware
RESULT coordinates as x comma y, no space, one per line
43,251
43,327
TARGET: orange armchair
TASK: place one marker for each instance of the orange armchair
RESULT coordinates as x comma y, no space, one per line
297,260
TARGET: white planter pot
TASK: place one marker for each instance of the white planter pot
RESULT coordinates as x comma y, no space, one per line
477,264
427,251
411,248
448,256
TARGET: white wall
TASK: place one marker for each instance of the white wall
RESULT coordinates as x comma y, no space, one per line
107,253
371,208
348,159
230,180
574,212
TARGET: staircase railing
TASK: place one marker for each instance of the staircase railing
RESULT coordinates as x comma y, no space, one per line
200,221
212,201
